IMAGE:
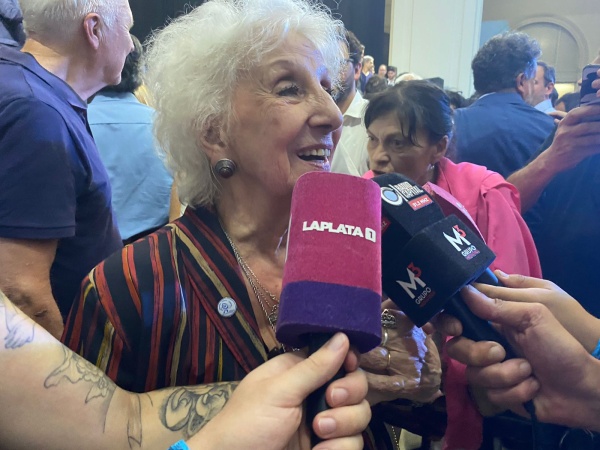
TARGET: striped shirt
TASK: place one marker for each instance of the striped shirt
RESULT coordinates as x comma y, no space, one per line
147,316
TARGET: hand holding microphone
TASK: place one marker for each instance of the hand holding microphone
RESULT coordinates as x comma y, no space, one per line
332,274
555,371
427,258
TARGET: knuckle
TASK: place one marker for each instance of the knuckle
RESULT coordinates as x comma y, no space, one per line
520,279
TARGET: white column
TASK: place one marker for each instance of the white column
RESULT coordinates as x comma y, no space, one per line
436,38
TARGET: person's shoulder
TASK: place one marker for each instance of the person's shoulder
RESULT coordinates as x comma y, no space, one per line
119,109
141,255
140,112
543,118
15,83
18,82
32,118
492,189
23,89
476,175
469,111
524,111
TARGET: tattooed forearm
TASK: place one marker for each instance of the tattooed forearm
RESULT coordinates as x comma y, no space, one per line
19,330
134,424
75,369
189,409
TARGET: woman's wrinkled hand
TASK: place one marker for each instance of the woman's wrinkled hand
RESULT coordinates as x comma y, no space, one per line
406,365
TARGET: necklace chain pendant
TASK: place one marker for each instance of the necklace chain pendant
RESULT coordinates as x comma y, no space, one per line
273,318
255,284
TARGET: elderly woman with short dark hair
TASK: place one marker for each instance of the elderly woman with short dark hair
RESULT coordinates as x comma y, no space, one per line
410,127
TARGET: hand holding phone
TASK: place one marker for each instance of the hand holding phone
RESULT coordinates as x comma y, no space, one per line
588,93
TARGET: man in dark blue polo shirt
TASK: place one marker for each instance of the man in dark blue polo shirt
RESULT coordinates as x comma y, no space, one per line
500,130
56,220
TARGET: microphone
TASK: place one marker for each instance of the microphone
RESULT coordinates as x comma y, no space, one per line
440,256
332,275
450,205
427,258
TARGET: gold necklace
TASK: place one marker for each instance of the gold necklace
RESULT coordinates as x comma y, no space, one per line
256,285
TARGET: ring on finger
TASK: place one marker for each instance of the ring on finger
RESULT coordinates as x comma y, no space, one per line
388,320
384,338
389,359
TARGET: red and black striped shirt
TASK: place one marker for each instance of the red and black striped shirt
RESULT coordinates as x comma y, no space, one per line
148,316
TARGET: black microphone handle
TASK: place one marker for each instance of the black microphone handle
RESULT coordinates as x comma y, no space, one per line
316,402
488,277
476,328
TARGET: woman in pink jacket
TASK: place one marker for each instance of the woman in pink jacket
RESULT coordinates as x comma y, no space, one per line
410,128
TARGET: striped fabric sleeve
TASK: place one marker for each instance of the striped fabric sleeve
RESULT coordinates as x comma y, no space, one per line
92,334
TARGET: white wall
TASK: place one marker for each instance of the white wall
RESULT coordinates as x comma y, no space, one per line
436,38
440,37
584,15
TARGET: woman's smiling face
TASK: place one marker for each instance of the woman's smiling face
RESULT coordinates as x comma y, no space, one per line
284,118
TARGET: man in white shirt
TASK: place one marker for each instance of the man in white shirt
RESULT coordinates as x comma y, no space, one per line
543,85
350,156
391,75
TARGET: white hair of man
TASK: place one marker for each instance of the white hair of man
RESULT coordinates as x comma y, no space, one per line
193,68
59,20
408,77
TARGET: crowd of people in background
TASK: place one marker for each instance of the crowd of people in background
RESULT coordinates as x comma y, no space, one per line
103,139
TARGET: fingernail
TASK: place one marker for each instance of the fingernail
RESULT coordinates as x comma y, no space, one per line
470,288
501,274
326,425
496,352
525,368
338,396
336,342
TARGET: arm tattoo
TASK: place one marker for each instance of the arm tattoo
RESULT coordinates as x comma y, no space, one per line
189,409
134,424
19,329
75,369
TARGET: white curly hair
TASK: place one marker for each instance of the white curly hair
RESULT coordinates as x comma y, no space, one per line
195,62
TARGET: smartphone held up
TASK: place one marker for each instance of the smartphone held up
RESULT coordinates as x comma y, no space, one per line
588,93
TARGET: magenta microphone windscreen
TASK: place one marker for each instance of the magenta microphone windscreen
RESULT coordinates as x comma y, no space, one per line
332,274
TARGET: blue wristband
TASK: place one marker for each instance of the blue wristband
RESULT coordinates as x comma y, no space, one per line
596,352
181,445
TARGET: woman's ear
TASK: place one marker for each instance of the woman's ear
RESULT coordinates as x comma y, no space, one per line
212,141
439,150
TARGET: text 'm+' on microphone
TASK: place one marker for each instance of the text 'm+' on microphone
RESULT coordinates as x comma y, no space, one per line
427,258
441,256
332,275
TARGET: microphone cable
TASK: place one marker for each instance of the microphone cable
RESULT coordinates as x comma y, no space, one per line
535,425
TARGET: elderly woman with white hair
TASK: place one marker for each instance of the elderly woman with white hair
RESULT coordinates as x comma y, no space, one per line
242,91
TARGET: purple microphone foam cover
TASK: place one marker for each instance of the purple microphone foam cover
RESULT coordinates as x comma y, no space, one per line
332,274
